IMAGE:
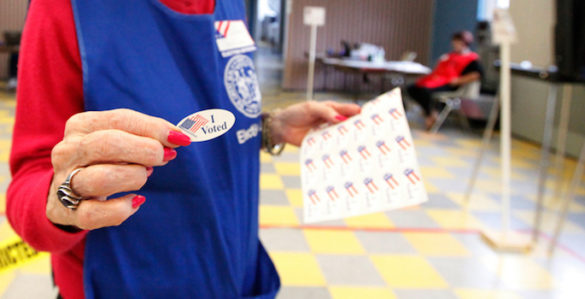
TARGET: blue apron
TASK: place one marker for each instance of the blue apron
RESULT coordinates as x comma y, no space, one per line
197,234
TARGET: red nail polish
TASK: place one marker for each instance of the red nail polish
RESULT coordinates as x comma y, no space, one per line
149,171
178,138
137,201
340,117
169,155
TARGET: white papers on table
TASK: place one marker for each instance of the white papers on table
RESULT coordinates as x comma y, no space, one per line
363,165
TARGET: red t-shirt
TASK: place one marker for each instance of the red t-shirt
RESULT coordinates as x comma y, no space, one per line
49,92
449,68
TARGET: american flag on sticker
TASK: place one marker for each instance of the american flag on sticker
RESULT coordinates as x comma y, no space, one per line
222,28
194,123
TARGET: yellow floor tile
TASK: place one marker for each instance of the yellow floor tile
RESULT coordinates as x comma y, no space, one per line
485,294
265,157
290,149
6,120
271,181
461,152
549,221
333,242
6,231
41,265
436,172
426,244
454,219
555,204
375,220
405,271
4,155
2,203
287,168
496,173
477,201
526,153
295,197
360,292
298,269
581,189
450,162
5,280
518,162
519,271
489,186
430,187
419,143
469,144
277,215
424,135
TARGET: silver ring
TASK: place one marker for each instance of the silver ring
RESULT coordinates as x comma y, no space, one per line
65,193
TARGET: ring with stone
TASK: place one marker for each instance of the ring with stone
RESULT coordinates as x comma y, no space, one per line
65,193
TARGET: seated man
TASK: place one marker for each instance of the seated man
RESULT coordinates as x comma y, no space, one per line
453,70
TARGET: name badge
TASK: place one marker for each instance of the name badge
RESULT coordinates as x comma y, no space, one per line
233,38
207,124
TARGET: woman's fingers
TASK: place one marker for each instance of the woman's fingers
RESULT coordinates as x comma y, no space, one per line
95,213
109,147
107,179
347,110
333,112
117,149
129,121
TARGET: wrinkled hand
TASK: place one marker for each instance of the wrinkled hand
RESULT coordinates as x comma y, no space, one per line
117,150
291,124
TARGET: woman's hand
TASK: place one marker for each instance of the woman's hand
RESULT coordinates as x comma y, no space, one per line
116,150
291,124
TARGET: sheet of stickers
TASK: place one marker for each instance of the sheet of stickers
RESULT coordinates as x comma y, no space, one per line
363,165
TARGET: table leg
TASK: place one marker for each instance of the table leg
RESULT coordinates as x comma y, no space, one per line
568,199
544,157
562,138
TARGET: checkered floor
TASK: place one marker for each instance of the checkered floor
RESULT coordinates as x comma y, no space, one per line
430,251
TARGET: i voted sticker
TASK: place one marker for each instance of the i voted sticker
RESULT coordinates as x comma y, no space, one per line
207,124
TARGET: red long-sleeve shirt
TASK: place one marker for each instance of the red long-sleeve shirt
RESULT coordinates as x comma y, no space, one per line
49,92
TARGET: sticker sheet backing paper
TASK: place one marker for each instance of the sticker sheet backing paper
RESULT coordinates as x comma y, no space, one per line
363,165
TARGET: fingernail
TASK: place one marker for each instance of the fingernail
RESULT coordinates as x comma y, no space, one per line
149,171
340,117
178,138
169,155
137,201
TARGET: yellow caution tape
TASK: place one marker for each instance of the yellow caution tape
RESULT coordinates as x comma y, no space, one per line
14,253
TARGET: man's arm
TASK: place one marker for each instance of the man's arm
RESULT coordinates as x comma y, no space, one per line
472,72
473,76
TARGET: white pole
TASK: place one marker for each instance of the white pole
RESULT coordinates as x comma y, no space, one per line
312,50
505,139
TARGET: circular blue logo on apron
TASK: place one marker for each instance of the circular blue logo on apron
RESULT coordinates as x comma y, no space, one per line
241,85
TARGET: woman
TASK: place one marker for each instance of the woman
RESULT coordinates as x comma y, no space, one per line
453,70
180,219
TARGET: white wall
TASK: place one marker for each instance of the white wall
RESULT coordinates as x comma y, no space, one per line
534,20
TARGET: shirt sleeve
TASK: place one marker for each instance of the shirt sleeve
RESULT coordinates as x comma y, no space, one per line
473,66
50,90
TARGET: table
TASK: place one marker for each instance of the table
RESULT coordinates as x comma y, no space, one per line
369,67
